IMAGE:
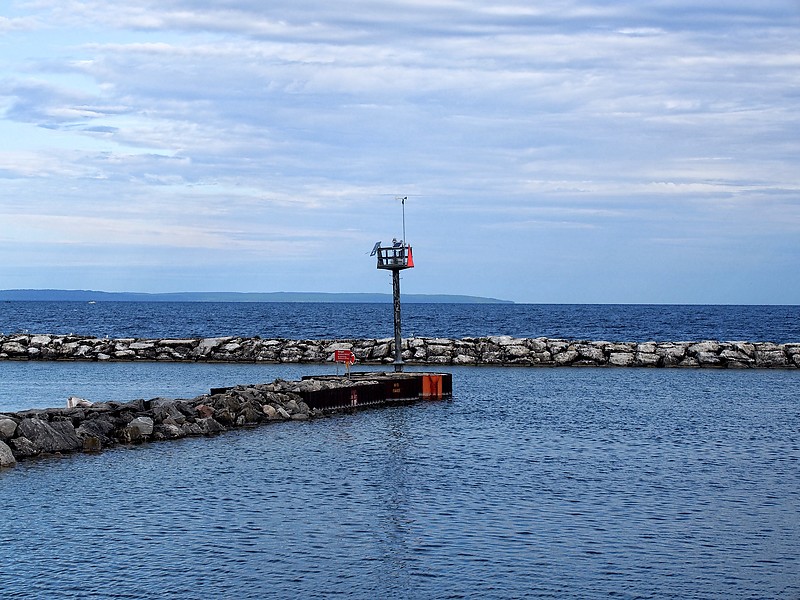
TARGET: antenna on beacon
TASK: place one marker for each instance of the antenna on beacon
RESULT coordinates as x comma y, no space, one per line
403,203
396,258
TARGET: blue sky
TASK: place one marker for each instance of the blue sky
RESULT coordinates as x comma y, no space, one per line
571,151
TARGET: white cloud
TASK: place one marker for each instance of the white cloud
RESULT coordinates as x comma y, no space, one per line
586,118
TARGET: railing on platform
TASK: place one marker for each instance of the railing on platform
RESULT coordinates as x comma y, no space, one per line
395,257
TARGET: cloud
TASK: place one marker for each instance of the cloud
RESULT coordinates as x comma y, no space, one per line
594,119
17,24
48,105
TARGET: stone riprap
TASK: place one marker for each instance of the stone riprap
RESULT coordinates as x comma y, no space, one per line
94,427
497,350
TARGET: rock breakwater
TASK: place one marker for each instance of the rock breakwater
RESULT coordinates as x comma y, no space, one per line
496,350
92,427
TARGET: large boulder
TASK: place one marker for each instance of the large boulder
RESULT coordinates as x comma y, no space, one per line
100,429
143,424
7,428
771,358
58,436
24,448
130,435
6,456
14,348
168,431
621,359
209,426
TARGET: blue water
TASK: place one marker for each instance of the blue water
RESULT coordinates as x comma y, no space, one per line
616,322
529,483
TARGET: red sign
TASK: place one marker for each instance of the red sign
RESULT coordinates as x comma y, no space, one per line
344,356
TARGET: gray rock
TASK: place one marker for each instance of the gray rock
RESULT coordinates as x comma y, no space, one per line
433,360
380,351
591,353
130,435
566,357
169,411
771,358
142,345
624,347
208,344
58,436
538,345
516,351
143,424
192,429
739,364
709,346
708,359
647,348
544,358
7,429
14,348
464,359
187,409
735,355
99,428
646,359
210,425
68,349
176,343
291,355
621,359
23,447
168,432
672,353
6,456
225,416
251,413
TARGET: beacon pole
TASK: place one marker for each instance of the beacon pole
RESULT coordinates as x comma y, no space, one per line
398,349
395,259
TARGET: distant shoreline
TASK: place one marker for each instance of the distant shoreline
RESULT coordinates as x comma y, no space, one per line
52,295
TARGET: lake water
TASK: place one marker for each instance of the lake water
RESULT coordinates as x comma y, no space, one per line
529,483
611,322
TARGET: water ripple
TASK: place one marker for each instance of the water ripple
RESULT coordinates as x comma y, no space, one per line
528,484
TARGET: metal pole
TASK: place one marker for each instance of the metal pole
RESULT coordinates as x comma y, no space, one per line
398,350
404,220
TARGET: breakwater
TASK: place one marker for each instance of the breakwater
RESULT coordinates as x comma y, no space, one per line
86,426
495,350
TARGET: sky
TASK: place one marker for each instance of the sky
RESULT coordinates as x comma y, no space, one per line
574,151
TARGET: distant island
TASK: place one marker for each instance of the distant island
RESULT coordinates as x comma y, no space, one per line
96,296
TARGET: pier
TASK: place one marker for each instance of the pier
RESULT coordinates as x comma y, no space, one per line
84,426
